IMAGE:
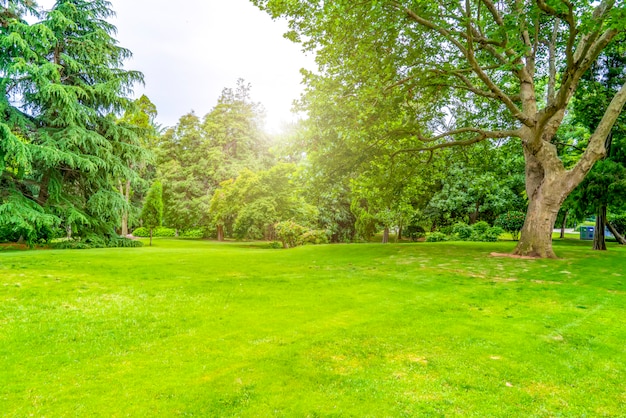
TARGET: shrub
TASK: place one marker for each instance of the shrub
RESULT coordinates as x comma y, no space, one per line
463,231
436,237
95,241
415,232
275,245
123,242
141,232
193,233
316,236
511,222
480,227
163,232
289,232
491,234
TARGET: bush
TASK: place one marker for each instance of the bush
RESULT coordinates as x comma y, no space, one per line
511,222
436,237
94,241
275,245
415,232
141,232
163,232
123,242
289,232
491,234
480,227
463,231
316,236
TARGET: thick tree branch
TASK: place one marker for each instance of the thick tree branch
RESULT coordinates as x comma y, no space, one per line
480,135
597,143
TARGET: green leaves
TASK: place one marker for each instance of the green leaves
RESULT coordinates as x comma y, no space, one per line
61,148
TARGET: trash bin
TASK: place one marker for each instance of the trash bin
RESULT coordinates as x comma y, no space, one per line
586,232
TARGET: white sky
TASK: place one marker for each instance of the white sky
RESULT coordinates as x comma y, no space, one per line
189,50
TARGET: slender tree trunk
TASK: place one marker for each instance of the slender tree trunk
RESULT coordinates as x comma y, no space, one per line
386,235
399,236
220,232
126,193
619,237
599,241
564,223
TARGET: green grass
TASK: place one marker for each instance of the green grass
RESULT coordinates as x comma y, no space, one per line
196,328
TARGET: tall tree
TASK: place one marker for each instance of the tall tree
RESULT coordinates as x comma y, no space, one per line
64,85
495,63
196,155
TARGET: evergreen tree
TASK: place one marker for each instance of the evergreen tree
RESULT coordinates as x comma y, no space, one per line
63,149
152,212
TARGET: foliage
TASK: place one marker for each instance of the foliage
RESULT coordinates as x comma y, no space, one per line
199,154
250,205
152,211
480,231
193,233
436,237
315,237
511,222
80,244
141,232
491,234
289,233
62,148
407,77
414,232
463,231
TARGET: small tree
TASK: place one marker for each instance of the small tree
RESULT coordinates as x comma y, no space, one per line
152,212
511,222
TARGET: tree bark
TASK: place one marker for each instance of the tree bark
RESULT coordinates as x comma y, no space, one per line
220,232
599,241
386,235
536,236
563,224
125,191
619,237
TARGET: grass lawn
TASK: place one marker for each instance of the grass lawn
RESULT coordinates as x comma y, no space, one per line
197,328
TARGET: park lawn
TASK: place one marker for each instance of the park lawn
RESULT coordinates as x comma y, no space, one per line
198,328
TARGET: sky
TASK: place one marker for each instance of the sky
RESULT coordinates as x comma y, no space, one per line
189,50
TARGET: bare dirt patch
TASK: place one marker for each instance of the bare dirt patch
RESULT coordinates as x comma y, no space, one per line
525,257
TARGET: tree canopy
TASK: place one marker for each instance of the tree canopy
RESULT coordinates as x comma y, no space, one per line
61,144
418,76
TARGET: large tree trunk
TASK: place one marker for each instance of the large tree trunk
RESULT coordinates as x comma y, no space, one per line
536,235
599,241
220,232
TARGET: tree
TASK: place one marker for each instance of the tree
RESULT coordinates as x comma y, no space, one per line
62,149
250,205
152,212
141,119
442,74
196,155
